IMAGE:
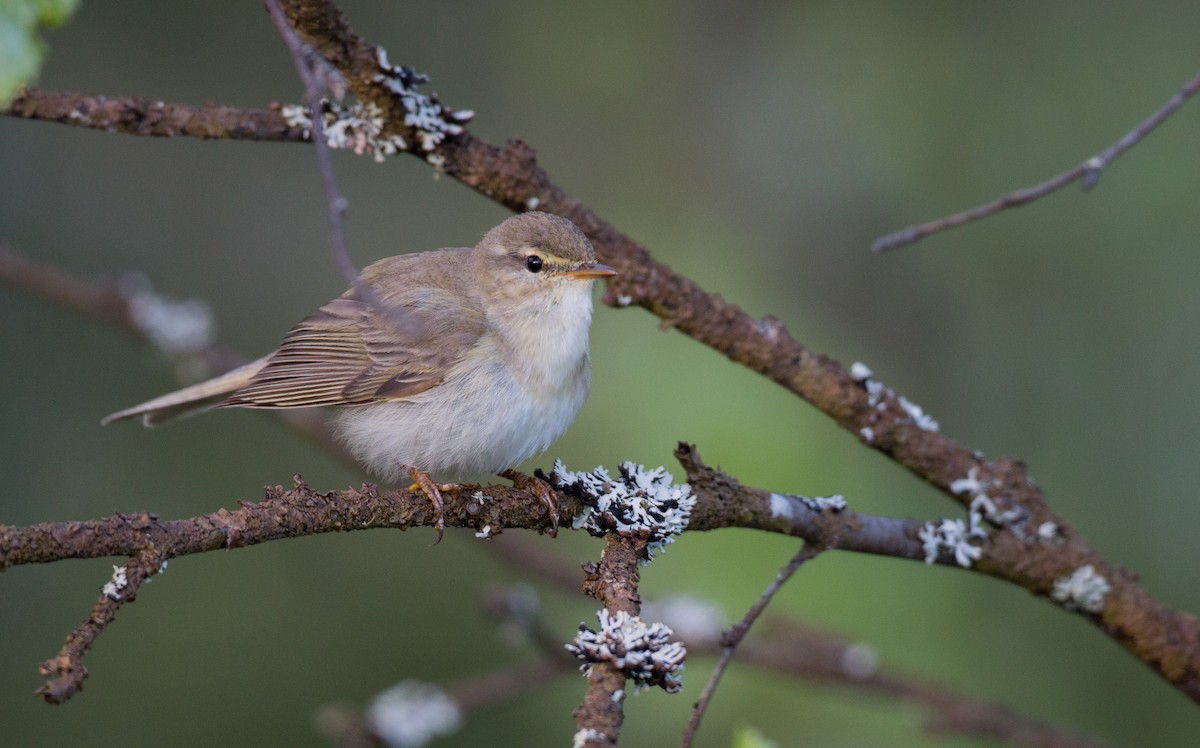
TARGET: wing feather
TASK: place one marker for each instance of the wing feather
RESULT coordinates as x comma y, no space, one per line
350,352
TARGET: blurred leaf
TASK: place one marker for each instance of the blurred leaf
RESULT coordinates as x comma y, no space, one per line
21,50
751,737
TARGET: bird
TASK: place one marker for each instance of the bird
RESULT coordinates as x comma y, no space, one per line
454,362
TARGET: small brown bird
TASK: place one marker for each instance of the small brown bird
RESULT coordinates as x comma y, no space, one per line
458,362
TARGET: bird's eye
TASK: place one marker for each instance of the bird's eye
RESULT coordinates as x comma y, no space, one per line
533,264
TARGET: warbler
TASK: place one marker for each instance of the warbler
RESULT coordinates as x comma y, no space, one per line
454,362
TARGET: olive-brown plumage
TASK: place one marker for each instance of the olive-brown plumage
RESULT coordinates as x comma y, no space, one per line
458,362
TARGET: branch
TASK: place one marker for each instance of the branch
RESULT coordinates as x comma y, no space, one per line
134,116
1167,641
1054,563
1089,172
614,583
67,666
734,636
300,511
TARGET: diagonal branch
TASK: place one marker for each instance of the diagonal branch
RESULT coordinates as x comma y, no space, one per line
734,636
1088,173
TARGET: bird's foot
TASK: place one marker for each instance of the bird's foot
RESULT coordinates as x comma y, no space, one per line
433,491
541,489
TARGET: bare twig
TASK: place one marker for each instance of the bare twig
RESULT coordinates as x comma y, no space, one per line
304,59
733,637
1088,173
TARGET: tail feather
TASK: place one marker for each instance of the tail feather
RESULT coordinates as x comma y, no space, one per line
194,399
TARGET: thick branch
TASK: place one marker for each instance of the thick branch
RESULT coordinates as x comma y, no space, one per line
1167,641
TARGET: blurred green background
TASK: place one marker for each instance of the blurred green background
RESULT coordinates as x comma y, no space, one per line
758,148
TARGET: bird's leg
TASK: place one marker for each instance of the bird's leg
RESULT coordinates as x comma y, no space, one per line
422,481
540,489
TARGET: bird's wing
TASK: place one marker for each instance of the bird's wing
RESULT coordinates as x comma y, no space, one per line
351,352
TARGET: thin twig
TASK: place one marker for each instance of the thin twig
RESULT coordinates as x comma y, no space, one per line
304,58
1089,172
732,638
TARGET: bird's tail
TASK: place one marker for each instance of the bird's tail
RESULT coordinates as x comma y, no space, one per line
189,400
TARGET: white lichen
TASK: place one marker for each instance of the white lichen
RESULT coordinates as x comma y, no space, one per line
878,396
413,713
1083,590
161,568
587,735
835,503
859,661
954,536
643,653
642,502
1047,531
982,506
867,433
424,113
533,202
485,532
922,419
624,300
781,507
782,504
177,328
693,619
967,485
113,587
357,128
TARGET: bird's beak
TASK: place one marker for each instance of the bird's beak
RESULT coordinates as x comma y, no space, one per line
590,271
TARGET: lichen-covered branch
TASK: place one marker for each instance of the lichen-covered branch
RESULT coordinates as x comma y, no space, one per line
135,116
67,666
1053,562
149,542
613,582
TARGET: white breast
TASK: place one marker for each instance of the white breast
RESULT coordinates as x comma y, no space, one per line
508,401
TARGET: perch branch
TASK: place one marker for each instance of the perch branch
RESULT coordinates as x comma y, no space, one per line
300,511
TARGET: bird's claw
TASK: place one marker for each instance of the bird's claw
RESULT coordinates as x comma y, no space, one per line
541,489
431,490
